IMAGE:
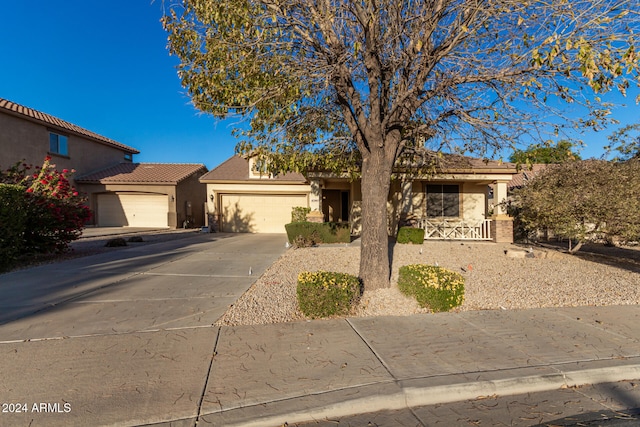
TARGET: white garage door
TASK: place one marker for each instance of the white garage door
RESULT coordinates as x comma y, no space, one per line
132,210
257,213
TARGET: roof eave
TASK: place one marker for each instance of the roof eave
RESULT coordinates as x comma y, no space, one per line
475,171
101,182
251,181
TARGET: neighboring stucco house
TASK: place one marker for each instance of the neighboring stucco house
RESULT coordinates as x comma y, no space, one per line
526,173
120,192
29,135
146,195
451,204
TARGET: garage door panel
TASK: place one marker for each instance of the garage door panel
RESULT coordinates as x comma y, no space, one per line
256,213
110,211
133,210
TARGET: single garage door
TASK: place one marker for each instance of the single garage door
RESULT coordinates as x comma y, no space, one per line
258,213
132,210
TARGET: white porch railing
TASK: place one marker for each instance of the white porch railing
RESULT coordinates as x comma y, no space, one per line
447,229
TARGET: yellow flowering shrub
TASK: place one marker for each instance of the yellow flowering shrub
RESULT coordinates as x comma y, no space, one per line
324,293
434,287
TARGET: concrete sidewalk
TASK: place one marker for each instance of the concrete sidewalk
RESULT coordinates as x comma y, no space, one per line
128,340
330,369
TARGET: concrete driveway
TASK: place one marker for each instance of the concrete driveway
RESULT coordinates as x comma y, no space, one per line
125,337
181,283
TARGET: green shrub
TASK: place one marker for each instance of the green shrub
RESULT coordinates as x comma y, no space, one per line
434,287
410,235
324,232
116,242
299,214
324,293
13,220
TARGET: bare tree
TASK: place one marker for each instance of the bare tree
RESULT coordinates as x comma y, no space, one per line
351,85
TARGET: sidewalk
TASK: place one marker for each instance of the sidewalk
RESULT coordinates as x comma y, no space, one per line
134,345
329,369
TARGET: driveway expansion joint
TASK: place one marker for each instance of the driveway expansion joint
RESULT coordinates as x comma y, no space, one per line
208,376
373,351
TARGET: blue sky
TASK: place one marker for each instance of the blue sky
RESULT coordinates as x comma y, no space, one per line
104,66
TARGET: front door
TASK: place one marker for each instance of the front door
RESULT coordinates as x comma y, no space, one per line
335,205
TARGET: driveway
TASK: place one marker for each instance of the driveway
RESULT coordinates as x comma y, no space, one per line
188,282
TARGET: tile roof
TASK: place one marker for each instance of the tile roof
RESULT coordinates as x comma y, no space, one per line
527,173
491,164
142,173
49,120
457,163
236,168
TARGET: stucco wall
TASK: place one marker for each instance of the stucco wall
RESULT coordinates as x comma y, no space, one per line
191,190
473,201
22,139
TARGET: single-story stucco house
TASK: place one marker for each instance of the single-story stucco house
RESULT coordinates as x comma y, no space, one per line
119,191
453,203
146,195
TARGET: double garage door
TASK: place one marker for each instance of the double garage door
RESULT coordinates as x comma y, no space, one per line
258,213
132,210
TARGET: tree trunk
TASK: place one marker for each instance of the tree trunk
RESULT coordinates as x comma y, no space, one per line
576,248
374,253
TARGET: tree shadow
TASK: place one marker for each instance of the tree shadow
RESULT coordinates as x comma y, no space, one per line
618,394
604,418
626,258
32,291
392,245
235,221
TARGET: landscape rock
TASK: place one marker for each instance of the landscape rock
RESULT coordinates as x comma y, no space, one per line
496,281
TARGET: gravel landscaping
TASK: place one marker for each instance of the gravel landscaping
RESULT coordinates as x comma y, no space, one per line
544,277
497,277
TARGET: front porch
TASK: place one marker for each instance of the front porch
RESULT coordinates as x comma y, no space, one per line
461,206
449,229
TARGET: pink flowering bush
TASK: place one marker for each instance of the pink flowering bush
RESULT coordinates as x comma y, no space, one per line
46,212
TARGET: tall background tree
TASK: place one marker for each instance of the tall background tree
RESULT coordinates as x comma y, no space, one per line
354,84
626,141
545,153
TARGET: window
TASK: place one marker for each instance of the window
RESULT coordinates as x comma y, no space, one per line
443,201
258,168
128,157
58,144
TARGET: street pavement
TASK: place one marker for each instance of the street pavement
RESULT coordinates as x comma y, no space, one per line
127,338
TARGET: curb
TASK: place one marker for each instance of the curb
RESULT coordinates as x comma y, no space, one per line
411,397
